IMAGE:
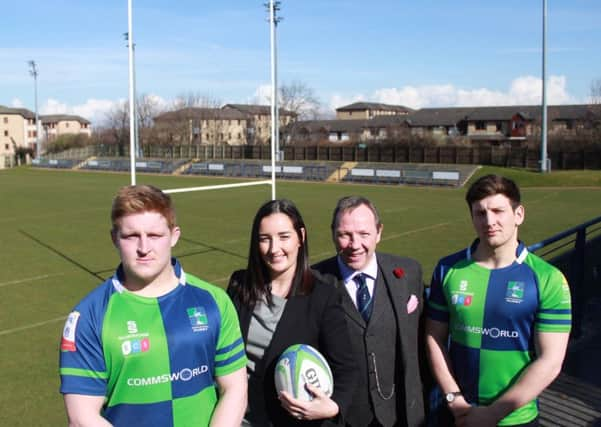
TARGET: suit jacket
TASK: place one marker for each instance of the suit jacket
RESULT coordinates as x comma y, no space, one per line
409,351
316,319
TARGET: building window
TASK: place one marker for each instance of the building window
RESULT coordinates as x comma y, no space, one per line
6,120
6,146
239,135
5,133
480,125
229,136
499,126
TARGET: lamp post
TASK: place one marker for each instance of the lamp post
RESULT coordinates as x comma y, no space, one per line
132,110
33,70
138,149
543,151
273,7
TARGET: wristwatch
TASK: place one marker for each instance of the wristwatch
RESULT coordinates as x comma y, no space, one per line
450,397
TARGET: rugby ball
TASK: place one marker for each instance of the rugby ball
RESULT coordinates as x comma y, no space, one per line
300,364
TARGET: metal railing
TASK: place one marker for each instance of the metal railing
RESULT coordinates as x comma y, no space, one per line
575,262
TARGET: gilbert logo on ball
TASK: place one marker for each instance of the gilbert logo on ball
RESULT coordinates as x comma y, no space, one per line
300,364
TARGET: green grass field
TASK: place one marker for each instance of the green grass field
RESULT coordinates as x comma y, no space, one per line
55,247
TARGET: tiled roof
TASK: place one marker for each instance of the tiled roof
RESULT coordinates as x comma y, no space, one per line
53,118
18,111
264,110
361,106
203,114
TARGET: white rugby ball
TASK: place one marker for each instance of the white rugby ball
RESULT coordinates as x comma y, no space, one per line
300,364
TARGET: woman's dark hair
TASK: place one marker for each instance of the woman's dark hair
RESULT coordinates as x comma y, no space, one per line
256,283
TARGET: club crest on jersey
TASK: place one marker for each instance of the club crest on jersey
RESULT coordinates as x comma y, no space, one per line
515,292
198,319
68,339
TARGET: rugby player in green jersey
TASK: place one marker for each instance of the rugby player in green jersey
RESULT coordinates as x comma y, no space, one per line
152,345
507,313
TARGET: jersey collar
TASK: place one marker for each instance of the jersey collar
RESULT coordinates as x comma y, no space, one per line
119,276
520,254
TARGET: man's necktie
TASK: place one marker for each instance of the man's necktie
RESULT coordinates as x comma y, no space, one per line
364,304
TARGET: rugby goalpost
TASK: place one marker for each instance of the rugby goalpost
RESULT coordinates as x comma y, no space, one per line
274,113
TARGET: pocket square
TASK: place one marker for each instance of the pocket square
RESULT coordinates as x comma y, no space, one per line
412,304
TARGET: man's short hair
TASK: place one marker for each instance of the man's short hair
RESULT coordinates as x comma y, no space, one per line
350,203
134,199
490,185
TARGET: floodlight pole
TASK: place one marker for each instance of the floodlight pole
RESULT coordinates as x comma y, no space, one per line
274,6
33,70
132,111
543,154
136,121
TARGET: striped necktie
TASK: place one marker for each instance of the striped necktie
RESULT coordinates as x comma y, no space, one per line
364,304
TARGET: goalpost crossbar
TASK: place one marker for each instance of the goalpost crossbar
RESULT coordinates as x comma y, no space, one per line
217,187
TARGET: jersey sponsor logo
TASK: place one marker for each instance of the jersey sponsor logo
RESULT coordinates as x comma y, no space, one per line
489,332
459,299
463,285
135,346
132,327
198,318
68,339
185,374
515,292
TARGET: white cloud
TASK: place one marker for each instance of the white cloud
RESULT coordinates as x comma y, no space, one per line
95,110
17,103
262,95
524,90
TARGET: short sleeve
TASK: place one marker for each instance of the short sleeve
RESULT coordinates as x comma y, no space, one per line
81,363
229,355
555,308
437,303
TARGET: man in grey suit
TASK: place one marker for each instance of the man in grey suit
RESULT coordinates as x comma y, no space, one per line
382,304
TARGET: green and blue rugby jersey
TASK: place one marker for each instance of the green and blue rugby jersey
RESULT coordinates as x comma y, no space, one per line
154,359
493,316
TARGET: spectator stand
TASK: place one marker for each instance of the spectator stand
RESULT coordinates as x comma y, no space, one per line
299,171
55,163
410,174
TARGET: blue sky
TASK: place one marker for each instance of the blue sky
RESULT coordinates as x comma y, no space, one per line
420,54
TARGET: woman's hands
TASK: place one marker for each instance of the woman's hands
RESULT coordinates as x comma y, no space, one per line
319,408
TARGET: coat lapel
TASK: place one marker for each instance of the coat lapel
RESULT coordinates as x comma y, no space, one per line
397,289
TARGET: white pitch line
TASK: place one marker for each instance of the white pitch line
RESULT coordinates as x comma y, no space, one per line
28,279
33,325
417,230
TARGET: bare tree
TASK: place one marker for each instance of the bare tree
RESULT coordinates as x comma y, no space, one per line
595,107
117,125
194,99
300,98
148,107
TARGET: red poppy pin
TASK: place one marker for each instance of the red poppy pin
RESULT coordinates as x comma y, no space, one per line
398,272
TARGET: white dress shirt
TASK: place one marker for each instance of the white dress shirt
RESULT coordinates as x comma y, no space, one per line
348,274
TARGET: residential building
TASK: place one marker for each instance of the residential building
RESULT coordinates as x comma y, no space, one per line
55,125
17,130
196,125
480,125
259,120
232,124
369,110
